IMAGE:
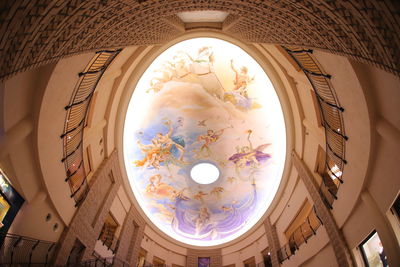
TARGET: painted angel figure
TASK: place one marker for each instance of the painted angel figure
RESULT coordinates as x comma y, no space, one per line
166,143
159,150
202,219
167,72
247,156
242,79
152,153
209,138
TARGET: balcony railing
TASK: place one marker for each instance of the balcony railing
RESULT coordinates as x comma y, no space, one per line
332,120
103,262
75,121
301,235
20,250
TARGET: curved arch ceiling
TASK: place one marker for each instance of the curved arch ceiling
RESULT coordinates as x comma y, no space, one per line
204,100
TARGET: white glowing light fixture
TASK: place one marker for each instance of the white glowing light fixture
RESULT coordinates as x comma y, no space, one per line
202,16
204,173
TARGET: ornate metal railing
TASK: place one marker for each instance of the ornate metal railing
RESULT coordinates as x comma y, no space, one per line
98,261
20,250
332,120
77,111
104,262
108,238
302,233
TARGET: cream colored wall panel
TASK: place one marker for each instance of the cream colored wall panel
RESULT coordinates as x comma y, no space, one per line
357,125
325,257
248,241
27,174
164,242
292,208
50,126
19,93
314,246
386,162
118,211
358,226
165,253
31,220
290,187
124,198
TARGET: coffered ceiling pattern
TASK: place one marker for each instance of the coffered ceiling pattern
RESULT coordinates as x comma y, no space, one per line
37,32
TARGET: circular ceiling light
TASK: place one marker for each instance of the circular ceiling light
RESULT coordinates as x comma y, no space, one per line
204,173
204,100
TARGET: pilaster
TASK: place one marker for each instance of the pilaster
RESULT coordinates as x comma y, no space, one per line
88,220
338,243
273,242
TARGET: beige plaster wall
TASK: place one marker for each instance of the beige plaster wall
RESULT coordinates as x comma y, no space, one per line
249,247
166,253
296,201
357,123
21,99
51,125
324,257
371,98
308,251
31,220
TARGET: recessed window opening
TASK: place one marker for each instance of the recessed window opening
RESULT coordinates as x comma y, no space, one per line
372,251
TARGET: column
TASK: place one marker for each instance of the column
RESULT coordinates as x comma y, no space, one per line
273,242
259,257
339,245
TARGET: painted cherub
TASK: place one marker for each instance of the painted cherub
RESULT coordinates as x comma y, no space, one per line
152,158
168,72
217,191
209,138
158,189
159,149
154,183
225,208
199,195
165,141
242,79
249,156
179,194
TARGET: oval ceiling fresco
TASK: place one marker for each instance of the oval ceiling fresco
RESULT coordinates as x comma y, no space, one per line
204,100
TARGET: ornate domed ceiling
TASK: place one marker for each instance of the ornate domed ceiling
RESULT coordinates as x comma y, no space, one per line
204,100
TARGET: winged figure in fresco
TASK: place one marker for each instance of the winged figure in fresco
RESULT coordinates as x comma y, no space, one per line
239,96
160,149
179,194
209,138
158,189
166,74
199,195
202,219
247,156
217,191
242,79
